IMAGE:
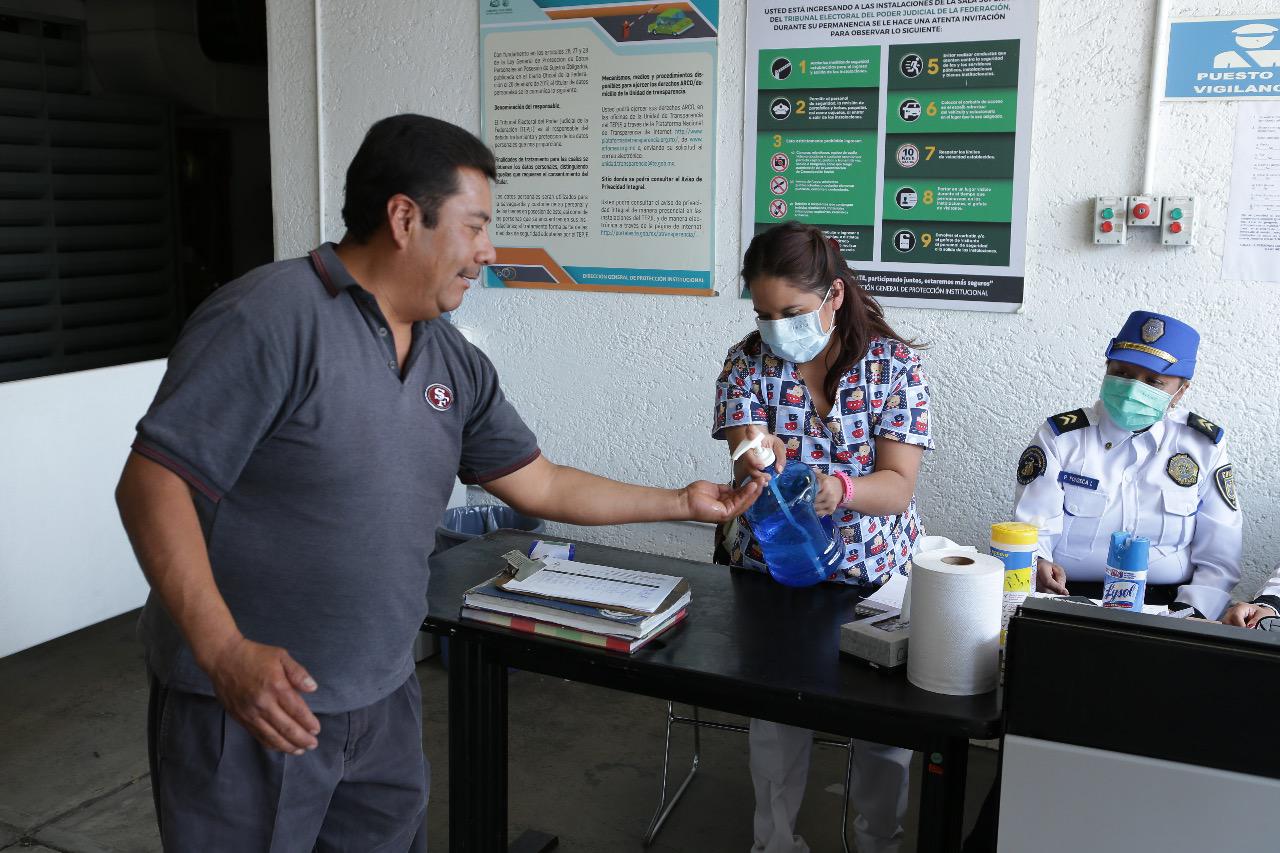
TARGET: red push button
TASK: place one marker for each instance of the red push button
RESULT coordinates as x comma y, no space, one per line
1141,211
1175,227
1107,227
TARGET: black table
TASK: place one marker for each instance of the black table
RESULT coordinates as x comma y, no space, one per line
749,646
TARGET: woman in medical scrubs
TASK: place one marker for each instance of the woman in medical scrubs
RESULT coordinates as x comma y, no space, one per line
833,386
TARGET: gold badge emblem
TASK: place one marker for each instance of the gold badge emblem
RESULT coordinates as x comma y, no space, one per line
1183,470
1152,330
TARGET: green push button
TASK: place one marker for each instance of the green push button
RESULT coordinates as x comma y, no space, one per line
1107,213
1175,214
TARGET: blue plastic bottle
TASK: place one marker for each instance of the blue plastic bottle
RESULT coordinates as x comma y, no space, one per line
799,548
1124,586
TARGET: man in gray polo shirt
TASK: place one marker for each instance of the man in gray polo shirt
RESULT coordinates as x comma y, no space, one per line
282,497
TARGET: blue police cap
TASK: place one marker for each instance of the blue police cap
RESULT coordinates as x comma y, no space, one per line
1157,342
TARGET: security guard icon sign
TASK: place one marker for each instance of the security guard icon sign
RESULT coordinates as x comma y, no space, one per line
1251,51
1152,330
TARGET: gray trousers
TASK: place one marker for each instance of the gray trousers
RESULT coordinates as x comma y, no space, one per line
364,788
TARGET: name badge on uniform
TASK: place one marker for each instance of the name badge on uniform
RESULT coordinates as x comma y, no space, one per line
1078,480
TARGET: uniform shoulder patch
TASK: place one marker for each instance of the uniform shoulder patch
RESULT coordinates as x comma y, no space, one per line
1183,470
1201,424
1225,479
1067,421
1031,464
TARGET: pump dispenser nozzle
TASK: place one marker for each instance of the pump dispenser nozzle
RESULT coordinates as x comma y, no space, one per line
764,455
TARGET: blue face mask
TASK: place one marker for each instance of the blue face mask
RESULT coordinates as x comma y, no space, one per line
797,339
1133,405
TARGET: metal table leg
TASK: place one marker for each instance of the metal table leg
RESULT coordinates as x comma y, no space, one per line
478,754
664,805
946,764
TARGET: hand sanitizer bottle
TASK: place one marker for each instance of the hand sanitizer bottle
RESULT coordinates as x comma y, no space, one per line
799,549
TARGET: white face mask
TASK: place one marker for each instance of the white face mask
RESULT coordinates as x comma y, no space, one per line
800,338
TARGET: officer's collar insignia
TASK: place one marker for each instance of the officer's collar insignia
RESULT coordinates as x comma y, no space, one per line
1201,424
1183,470
1031,464
1152,330
1225,479
1067,421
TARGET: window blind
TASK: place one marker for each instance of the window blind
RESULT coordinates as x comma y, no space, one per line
88,243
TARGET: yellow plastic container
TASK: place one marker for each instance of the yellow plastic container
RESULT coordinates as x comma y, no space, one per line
1014,543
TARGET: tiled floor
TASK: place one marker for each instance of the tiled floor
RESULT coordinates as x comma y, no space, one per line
585,762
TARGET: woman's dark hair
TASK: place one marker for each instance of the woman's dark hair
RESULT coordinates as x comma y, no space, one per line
807,259
411,154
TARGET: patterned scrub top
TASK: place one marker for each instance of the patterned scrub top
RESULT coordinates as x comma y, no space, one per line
885,395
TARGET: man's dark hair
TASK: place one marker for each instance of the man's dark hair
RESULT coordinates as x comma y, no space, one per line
411,154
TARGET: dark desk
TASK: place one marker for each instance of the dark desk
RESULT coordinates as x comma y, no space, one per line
749,646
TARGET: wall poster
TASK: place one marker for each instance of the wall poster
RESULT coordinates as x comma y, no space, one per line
602,119
902,128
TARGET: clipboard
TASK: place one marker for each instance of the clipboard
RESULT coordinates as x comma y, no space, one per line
520,569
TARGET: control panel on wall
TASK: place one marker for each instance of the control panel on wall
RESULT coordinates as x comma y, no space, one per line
1144,210
1113,216
1178,217
1109,227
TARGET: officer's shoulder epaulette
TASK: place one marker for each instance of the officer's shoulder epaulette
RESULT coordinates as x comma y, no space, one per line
1208,428
1067,421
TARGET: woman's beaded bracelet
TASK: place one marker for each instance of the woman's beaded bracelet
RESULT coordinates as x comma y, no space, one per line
847,481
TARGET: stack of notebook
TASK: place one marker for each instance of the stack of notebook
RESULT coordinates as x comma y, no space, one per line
615,609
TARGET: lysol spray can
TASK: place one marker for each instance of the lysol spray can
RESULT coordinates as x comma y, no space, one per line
1014,543
1124,586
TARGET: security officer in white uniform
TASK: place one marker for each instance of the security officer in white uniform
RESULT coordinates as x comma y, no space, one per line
1247,614
1130,463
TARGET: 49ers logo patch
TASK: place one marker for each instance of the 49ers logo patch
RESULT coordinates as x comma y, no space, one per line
438,397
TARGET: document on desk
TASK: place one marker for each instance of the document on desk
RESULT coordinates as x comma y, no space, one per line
885,599
1149,609
605,586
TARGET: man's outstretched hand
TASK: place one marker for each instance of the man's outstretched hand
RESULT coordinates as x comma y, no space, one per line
715,502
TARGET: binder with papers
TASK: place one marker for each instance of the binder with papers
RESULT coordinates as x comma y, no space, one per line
618,609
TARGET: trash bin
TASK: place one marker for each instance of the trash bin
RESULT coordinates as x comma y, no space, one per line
467,522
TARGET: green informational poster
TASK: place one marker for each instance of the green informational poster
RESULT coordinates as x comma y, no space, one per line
902,129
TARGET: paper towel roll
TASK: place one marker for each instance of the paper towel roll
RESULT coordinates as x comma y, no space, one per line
955,621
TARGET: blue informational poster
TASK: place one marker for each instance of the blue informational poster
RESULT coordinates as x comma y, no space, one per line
1224,58
602,118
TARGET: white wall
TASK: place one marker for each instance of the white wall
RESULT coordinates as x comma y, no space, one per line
64,560
622,385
